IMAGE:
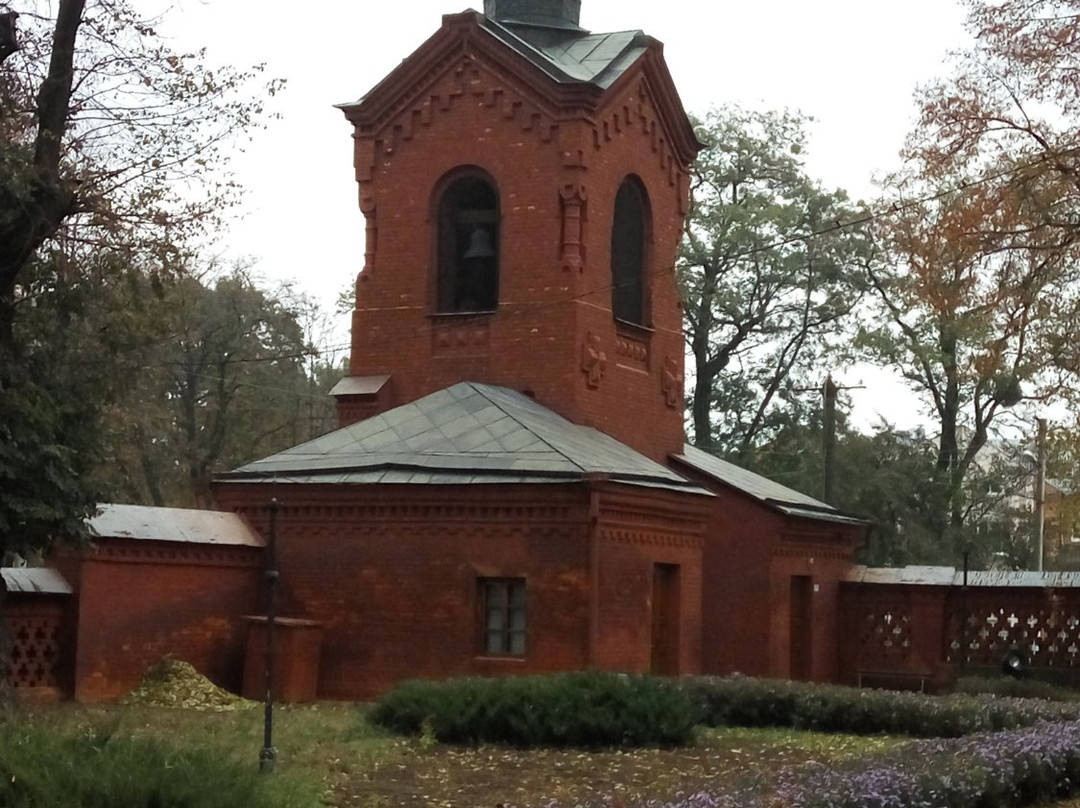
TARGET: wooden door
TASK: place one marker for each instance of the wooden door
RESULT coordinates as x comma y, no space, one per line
665,620
801,626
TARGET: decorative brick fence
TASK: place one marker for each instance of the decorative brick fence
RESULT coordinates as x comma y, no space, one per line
35,616
920,627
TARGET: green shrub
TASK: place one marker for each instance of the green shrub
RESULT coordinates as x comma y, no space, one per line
43,769
748,702
587,710
1015,688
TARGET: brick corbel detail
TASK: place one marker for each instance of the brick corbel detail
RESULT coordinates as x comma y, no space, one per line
593,360
367,207
470,83
641,115
574,198
671,383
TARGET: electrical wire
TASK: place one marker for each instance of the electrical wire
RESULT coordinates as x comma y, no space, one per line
888,209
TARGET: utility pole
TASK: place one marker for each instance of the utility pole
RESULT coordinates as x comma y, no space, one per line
1040,491
829,391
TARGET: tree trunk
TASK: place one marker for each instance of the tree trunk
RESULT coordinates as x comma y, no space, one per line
35,202
701,410
6,695
9,36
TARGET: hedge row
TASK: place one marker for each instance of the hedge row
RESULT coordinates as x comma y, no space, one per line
584,710
607,709
747,702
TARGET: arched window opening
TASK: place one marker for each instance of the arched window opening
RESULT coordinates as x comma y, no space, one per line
468,249
628,248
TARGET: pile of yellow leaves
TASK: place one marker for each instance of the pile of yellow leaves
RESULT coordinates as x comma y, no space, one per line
175,683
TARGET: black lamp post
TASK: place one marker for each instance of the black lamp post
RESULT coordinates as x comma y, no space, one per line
268,755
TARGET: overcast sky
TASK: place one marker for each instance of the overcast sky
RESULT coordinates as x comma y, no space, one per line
851,64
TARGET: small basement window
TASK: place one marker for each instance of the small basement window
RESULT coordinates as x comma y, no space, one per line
504,604
467,272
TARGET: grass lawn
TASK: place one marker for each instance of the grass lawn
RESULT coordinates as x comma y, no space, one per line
362,767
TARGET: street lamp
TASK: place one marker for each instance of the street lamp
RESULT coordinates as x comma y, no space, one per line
268,755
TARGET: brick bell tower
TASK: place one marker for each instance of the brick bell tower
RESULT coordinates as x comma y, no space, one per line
524,184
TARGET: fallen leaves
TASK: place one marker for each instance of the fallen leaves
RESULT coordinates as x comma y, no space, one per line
175,683
489,776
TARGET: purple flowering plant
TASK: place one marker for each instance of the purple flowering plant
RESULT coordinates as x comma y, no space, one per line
1035,764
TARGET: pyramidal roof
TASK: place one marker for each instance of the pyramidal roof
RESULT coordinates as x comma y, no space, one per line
467,433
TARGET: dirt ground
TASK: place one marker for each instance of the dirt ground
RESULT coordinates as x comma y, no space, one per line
437,776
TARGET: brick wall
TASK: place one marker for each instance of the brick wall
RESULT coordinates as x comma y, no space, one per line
639,532
141,600
820,553
931,633
556,170
392,574
752,556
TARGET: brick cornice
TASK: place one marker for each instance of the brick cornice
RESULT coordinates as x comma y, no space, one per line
150,552
835,552
638,535
461,38
449,511
406,90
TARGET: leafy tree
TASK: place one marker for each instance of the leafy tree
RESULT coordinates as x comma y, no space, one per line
767,275
227,376
51,398
1012,105
1062,491
981,296
888,476
103,129
975,317
107,144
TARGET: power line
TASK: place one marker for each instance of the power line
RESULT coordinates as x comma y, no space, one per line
888,209
885,210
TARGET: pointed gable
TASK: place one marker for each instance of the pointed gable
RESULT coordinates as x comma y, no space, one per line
555,69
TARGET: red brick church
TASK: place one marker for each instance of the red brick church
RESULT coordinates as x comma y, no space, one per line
510,490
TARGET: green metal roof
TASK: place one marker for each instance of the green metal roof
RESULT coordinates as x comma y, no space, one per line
779,497
951,576
573,56
465,434
567,56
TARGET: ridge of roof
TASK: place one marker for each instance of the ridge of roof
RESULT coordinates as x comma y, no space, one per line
466,431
